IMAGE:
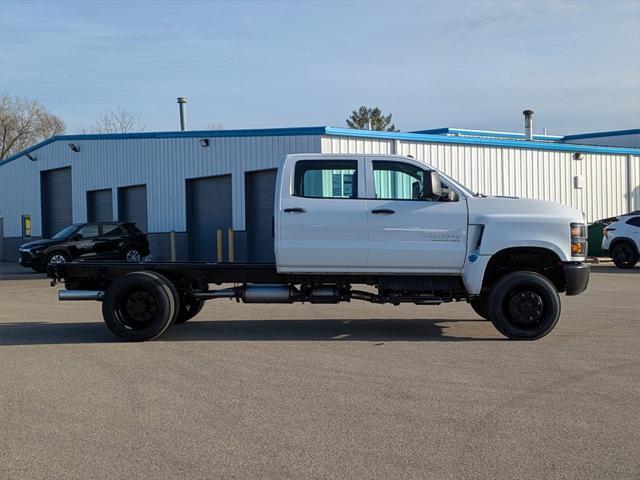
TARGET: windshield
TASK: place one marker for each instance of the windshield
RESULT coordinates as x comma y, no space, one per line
65,232
465,190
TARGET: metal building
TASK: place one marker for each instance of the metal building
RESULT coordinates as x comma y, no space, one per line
195,182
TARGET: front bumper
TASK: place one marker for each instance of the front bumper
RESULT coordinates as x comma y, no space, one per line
576,276
29,260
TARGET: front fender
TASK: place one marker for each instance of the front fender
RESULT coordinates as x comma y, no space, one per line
550,236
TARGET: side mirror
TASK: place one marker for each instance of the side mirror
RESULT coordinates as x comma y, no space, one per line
76,236
432,187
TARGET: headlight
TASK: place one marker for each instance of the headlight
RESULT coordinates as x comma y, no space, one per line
578,239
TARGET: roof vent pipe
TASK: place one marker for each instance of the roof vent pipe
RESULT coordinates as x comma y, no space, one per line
183,118
528,124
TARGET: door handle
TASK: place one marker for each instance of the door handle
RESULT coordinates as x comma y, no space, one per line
386,211
294,210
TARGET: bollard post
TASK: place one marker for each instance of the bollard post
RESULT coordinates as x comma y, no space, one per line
173,246
219,244
231,246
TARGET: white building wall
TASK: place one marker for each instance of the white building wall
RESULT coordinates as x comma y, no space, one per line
163,164
544,174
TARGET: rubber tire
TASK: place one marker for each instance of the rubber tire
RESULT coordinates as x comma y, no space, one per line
189,309
479,305
516,280
163,293
634,257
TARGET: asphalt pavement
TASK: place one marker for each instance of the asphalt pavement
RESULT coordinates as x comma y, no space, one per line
321,391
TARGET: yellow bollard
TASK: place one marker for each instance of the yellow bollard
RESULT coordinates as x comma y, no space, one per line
231,249
219,237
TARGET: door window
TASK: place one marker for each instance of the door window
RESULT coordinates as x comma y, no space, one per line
111,230
398,181
326,179
88,231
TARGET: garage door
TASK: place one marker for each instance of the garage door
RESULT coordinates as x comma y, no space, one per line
55,194
99,206
2,240
208,209
259,192
132,205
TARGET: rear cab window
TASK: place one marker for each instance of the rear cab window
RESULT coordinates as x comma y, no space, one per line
326,179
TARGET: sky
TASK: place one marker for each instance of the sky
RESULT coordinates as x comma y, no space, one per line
264,64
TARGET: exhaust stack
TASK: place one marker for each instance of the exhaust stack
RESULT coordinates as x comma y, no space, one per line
183,115
528,124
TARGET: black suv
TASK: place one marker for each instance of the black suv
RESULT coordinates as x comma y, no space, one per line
91,241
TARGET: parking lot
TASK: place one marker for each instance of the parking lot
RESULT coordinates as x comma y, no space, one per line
347,391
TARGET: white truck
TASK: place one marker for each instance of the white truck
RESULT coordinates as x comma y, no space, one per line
406,231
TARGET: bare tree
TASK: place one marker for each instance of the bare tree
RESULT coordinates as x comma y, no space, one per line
118,120
24,122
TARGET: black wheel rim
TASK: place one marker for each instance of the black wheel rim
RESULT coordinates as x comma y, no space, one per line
622,255
137,310
525,308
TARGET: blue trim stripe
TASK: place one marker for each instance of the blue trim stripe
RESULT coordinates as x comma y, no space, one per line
346,132
487,133
419,137
613,133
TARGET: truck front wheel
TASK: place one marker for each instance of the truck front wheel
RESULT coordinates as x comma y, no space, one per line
524,306
479,305
140,306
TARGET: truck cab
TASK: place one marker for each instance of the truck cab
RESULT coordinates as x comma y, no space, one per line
394,215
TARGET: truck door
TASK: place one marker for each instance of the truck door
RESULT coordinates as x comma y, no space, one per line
408,232
322,219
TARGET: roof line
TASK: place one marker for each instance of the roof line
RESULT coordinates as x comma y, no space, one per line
487,133
612,133
421,137
261,132
266,132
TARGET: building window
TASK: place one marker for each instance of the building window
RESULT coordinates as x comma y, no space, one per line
26,226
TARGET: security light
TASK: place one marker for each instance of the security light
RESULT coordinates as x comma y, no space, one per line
30,157
204,142
578,156
74,147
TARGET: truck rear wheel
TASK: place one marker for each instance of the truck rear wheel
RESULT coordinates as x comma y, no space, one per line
189,309
524,306
140,306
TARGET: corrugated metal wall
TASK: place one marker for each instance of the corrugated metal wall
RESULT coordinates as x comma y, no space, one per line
610,182
161,164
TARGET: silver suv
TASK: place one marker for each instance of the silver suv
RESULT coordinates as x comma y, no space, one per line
621,240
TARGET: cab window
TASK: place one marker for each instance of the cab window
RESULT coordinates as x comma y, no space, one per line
398,181
326,179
